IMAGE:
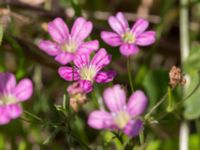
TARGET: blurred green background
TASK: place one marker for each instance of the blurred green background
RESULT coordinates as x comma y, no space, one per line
24,22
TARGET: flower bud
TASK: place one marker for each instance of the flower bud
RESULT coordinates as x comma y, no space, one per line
77,96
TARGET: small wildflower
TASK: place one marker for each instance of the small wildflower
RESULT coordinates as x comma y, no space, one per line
122,116
86,72
11,95
176,77
77,96
128,38
65,45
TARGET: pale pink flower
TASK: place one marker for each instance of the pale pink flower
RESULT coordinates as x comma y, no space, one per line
122,116
128,38
65,45
86,72
11,95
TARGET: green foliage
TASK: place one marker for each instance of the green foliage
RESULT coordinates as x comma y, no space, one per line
155,84
48,122
192,68
194,142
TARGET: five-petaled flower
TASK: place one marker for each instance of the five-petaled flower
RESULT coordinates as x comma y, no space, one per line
122,116
86,71
128,39
65,45
11,95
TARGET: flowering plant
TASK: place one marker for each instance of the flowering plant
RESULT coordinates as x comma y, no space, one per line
92,81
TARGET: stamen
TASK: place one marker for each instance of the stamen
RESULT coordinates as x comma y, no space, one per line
7,99
69,47
121,119
128,37
88,73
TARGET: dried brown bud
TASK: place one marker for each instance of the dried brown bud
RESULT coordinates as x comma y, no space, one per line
77,96
176,77
77,100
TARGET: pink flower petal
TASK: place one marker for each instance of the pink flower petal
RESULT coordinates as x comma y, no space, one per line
133,128
4,117
85,31
139,27
137,103
122,20
86,85
77,26
88,47
81,29
64,58
7,83
146,38
105,76
68,73
58,30
111,38
116,25
128,49
24,90
101,59
49,47
81,60
100,120
14,111
115,98
74,88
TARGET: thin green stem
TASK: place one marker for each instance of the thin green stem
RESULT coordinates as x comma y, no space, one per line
72,71
33,116
129,73
184,99
119,137
157,104
80,142
170,105
141,137
51,136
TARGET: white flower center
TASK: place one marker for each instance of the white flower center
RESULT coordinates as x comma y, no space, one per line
121,119
128,37
69,47
7,99
88,73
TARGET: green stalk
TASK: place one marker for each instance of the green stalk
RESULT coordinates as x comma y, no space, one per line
141,137
170,105
184,44
184,31
146,117
184,35
129,73
33,116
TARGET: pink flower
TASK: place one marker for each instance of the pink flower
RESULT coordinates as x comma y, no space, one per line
65,46
86,71
128,39
11,95
122,116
